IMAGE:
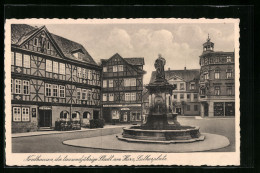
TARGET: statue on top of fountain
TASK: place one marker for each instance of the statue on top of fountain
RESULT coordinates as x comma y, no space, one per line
159,66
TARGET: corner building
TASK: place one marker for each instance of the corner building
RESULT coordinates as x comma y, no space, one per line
217,84
122,88
51,78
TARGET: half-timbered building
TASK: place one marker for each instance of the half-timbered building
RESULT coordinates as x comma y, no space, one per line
122,86
51,78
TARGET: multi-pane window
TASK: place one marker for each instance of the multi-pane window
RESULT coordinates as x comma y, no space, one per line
133,96
229,90
104,83
111,97
202,92
192,86
79,72
206,75
18,84
120,68
217,60
62,91
217,90
16,114
217,73
195,96
127,96
110,83
78,93
55,67
104,69
19,59
84,73
104,97
228,59
26,87
130,82
229,73
25,114
89,74
181,96
84,94
62,68
181,86
55,91
48,65
115,68
12,59
48,89
26,61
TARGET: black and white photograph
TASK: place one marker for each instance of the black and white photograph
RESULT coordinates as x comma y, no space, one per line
103,92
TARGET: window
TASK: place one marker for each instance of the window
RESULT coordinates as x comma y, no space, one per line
217,72
11,85
133,82
110,83
89,74
217,60
19,60
35,42
62,91
182,96
104,83
127,97
202,91
25,114
229,73
16,114
133,96
188,107
64,114
105,97
86,115
26,87
115,68
229,90
104,69
55,67
79,72
26,61
89,94
48,45
188,96
84,94
130,82
195,107
84,73
228,59
206,75
181,86
47,89
111,97
75,115
120,68
12,59
48,65
195,96
55,91
126,82
192,86
217,90
175,96
17,86
78,93
62,68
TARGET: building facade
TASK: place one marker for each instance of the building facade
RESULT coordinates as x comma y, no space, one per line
51,78
122,86
217,84
185,97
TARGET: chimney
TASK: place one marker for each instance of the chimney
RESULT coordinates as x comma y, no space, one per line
184,68
169,69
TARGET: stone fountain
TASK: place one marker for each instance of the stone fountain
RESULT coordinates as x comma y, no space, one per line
157,129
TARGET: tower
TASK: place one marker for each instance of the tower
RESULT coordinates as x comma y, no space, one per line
208,46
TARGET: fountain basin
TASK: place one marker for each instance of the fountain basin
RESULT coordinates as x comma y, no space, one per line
176,134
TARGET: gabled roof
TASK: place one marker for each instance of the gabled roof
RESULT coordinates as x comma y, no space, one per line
135,61
186,75
21,32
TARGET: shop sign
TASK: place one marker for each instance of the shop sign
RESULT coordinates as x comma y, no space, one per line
45,108
129,105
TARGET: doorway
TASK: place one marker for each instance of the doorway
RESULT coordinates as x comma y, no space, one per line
45,118
178,111
95,114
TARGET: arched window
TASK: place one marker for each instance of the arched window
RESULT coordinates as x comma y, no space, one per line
75,115
64,115
86,115
217,73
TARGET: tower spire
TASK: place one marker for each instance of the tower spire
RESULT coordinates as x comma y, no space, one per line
208,38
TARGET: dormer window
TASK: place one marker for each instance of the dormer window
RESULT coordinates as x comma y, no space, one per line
35,42
76,55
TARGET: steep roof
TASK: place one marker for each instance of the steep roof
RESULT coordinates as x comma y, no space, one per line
135,61
21,32
186,75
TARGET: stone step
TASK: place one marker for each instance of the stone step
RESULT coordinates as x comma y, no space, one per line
45,129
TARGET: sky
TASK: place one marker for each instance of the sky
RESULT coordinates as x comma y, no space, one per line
179,43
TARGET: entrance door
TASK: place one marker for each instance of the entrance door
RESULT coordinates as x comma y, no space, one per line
95,114
206,110
178,111
45,118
